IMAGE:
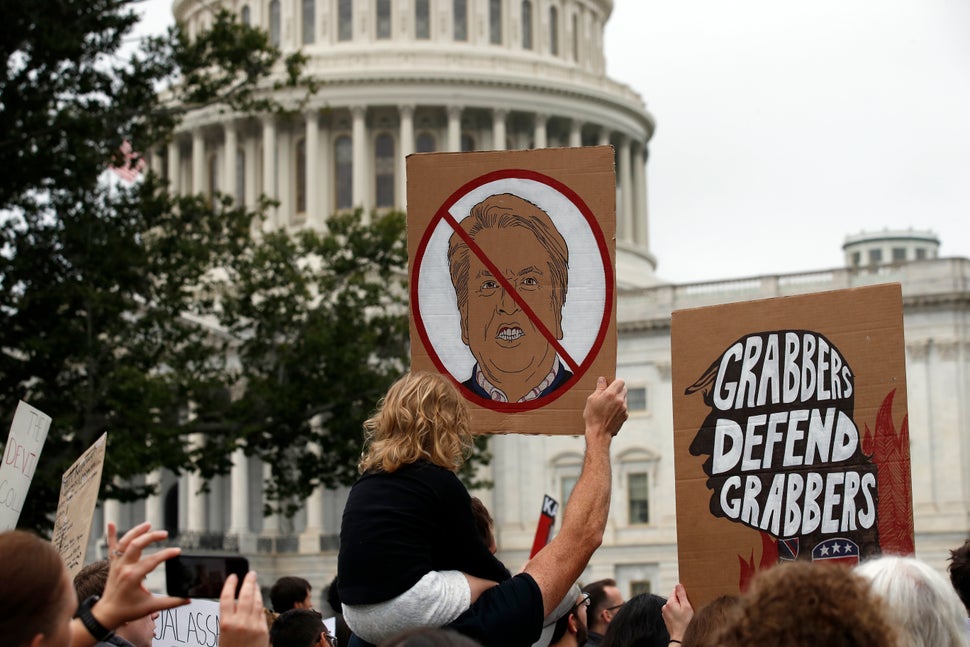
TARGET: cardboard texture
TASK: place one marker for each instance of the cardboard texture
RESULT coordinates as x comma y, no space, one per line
28,431
194,625
75,507
790,434
494,304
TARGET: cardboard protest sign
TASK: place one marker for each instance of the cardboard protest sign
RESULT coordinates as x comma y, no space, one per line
790,434
75,507
193,625
28,431
511,259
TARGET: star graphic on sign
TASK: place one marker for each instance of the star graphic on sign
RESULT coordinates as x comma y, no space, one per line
836,548
825,550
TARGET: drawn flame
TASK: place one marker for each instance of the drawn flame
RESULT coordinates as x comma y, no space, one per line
769,557
889,451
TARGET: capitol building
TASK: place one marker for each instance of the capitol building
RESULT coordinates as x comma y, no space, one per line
403,76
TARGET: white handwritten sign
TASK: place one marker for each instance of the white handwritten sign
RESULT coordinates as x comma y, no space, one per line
194,625
75,508
24,444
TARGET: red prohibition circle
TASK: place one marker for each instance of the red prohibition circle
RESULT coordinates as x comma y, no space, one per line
443,213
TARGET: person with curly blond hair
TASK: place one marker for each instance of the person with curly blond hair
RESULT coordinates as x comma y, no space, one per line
411,554
804,604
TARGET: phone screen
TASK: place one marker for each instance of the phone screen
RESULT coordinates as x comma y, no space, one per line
202,576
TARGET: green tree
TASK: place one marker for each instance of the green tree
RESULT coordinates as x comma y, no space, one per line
119,305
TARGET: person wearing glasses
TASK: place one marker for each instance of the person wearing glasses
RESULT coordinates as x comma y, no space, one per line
301,628
605,600
566,626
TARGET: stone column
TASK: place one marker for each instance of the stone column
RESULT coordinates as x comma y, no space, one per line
314,214
198,162
154,503
406,139
498,128
173,166
454,128
360,170
310,537
111,511
624,210
539,136
239,491
269,168
576,133
229,163
640,218
604,137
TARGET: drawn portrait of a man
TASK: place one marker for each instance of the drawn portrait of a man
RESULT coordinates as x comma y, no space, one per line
515,359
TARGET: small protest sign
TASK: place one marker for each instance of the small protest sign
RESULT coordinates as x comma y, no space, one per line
193,625
28,431
75,507
547,517
511,258
790,434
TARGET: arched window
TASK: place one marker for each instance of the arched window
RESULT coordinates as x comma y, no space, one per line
274,22
495,22
309,21
459,12
244,15
301,177
240,176
526,24
425,143
467,143
344,157
554,31
383,19
345,20
422,20
384,169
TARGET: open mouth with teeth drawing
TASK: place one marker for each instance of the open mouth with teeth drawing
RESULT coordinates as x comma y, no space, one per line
509,333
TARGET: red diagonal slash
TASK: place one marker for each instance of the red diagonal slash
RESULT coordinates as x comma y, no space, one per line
504,282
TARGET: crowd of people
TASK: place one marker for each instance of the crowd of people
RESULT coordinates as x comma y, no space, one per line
417,568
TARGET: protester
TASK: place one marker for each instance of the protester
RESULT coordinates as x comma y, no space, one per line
639,623
242,622
300,628
805,604
90,581
290,592
485,524
710,620
511,613
925,607
333,601
959,569
38,602
410,551
566,627
605,600
677,613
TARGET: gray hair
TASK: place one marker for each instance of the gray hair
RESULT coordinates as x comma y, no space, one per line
921,601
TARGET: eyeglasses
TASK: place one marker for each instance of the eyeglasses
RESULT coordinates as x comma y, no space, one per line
330,638
615,606
583,602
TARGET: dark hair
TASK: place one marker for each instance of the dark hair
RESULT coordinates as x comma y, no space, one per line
427,637
639,623
803,604
710,620
597,596
31,584
297,628
287,591
91,579
483,522
959,569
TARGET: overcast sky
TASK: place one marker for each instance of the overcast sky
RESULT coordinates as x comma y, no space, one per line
782,126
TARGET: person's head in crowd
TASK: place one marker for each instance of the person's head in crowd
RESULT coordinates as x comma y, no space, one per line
805,604
290,592
333,601
422,417
484,524
638,623
605,600
36,596
926,609
91,580
710,620
300,628
429,637
959,569
566,625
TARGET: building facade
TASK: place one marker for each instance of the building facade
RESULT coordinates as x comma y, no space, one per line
459,75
